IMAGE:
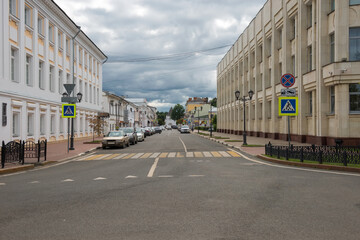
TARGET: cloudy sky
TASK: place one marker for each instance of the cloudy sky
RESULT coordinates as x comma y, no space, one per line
163,50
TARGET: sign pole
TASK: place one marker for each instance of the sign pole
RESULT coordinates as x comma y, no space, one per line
289,131
68,134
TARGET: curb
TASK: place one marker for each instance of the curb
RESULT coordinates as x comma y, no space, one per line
17,169
310,165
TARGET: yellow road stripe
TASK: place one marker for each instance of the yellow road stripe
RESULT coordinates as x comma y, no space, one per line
198,154
234,154
179,155
94,157
129,156
146,155
216,154
111,156
163,155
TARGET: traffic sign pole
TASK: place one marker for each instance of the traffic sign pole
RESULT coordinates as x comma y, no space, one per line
288,80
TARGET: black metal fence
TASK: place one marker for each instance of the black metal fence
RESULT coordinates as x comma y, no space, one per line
18,151
321,154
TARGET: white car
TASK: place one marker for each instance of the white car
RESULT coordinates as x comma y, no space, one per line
115,139
185,129
140,134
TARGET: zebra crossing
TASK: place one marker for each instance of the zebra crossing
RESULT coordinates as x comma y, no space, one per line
116,156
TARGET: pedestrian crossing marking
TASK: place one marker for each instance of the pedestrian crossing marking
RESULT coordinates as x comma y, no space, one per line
288,107
146,155
163,155
129,156
216,154
198,154
234,154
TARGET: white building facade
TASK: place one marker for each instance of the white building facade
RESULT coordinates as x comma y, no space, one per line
114,111
36,55
318,41
142,114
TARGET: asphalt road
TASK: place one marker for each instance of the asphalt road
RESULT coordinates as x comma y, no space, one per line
157,190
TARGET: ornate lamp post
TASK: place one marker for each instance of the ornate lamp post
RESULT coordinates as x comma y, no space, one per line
244,99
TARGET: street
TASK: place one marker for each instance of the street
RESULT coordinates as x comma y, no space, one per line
178,186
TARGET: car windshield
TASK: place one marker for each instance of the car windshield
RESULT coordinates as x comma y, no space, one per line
128,130
116,134
138,130
185,126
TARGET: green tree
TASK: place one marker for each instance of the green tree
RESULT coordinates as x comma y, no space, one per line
177,112
214,122
213,102
97,124
161,116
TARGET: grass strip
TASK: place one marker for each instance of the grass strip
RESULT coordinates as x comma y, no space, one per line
233,140
252,145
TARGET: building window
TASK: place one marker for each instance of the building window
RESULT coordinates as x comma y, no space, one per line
309,17
80,56
332,5
332,48
28,14
52,79
354,2
60,40
28,70
4,114
52,124
40,25
67,45
354,90
269,47
86,92
16,124
51,33
310,103
42,124
41,75
13,7
280,38
61,125
60,82
310,58
354,42
30,124
293,29
14,65
67,78
332,99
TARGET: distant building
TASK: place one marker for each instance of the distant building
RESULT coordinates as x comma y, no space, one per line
114,110
140,113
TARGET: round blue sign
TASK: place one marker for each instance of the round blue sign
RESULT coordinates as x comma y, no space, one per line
287,80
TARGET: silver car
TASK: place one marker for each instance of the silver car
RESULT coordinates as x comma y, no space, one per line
140,134
115,139
185,129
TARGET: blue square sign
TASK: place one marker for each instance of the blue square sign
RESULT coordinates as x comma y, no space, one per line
288,106
68,110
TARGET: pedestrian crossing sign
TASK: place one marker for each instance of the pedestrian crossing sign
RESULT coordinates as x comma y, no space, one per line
288,106
69,110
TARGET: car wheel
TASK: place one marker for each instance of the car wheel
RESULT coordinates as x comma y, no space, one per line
103,147
128,144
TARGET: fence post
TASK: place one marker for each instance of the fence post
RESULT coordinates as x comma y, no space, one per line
3,155
45,151
38,150
287,153
301,154
22,151
278,152
345,158
270,146
320,157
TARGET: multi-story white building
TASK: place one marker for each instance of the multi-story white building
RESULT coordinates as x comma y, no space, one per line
36,42
144,115
318,41
114,109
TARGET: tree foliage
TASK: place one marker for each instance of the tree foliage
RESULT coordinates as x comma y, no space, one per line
177,112
161,116
213,102
97,124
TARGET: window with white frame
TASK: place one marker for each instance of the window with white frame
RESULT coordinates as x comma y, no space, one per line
41,75
13,7
332,99
309,50
354,2
16,124
309,15
52,78
90,90
51,33
268,109
14,65
41,25
28,70
86,92
332,48
310,103
67,46
60,81
80,55
42,124
354,44
354,91
60,40
52,124
28,14
30,124
332,5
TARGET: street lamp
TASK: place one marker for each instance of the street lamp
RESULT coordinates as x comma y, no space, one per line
198,110
237,95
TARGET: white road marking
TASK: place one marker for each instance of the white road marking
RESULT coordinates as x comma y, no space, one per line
102,157
99,178
295,168
224,154
121,156
155,155
196,175
189,154
83,158
183,144
207,154
34,182
67,180
153,167
137,155
130,176
172,154
166,176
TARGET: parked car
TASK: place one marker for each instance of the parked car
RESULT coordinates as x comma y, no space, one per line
174,127
130,132
147,131
115,139
185,129
168,127
140,135
144,131
152,130
157,130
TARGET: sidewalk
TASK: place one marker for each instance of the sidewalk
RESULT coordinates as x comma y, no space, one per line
56,152
254,143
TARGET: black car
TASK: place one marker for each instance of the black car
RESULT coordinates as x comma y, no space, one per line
158,130
174,127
